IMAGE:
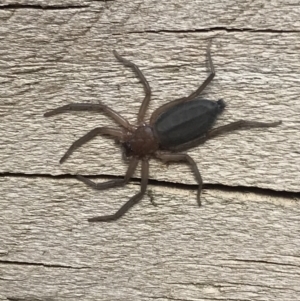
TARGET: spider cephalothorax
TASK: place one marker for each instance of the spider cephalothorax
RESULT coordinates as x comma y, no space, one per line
141,142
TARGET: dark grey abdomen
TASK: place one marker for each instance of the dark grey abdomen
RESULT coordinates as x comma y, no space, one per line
187,121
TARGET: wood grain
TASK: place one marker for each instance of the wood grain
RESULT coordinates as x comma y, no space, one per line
238,245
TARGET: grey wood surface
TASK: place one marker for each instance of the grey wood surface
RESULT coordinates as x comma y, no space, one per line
242,244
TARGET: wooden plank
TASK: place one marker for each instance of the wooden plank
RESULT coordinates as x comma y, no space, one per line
238,246
255,85
190,15
177,15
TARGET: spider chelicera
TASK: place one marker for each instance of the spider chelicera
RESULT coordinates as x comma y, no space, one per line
175,126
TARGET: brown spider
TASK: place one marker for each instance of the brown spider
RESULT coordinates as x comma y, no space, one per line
177,125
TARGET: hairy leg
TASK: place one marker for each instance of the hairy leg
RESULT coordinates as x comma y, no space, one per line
113,183
237,125
91,107
193,95
145,83
134,200
170,157
90,135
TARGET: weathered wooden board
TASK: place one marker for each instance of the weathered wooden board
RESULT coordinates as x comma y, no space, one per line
255,85
239,246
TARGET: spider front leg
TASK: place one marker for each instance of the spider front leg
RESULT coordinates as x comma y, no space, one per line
134,200
91,107
142,78
169,157
90,135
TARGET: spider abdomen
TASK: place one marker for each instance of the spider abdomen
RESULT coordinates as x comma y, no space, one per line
187,121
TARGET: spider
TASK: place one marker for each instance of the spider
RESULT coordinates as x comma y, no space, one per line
175,126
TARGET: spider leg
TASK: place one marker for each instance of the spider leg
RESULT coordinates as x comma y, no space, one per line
134,200
113,183
193,95
142,78
240,124
90,135
168,157
91,107
237,125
